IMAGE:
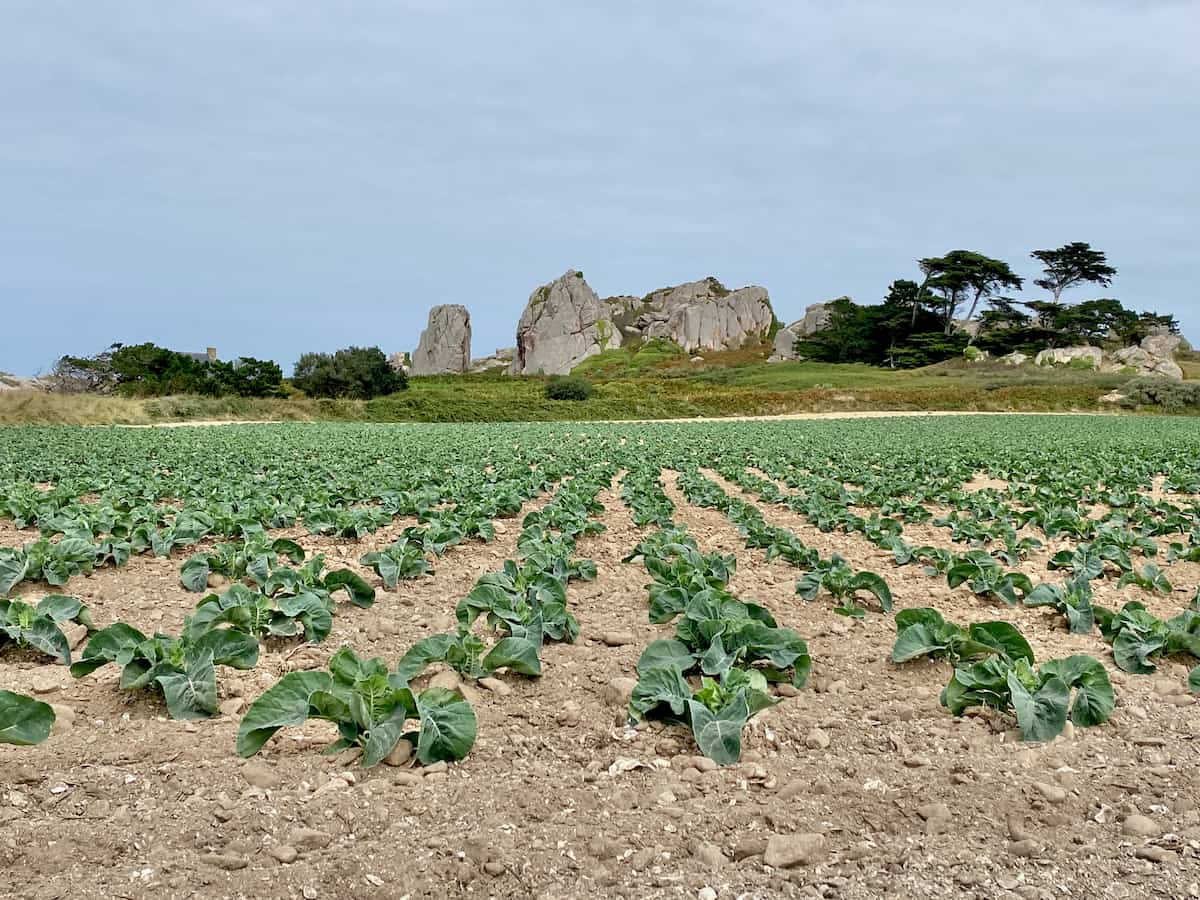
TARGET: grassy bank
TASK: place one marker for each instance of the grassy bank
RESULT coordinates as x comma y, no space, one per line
751,389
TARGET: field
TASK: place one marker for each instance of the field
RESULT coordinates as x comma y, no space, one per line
695,660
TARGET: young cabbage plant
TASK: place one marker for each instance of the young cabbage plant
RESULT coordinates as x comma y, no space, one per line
923,632
24,721
310,578
1151,579
371,708
1073,599
254,558
249,611
39,627
1075,688
1139,638
470,656
403,560
54,563
985,577
182,668
839,580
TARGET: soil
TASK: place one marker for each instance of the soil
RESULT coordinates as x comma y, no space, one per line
862,774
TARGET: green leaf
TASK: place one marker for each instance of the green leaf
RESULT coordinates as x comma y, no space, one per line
916,640
361,594
383,736
517,654
666,653
14,564
63,609
312,612
1042,714
719,736
229,647
195,572
42,634
1194,680
874,584
1004,637
192,694
116,643
23,720
1132,652
1094,700
284,703
659,686
425,651
919,615
447,726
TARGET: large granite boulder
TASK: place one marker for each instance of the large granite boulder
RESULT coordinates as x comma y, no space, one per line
704,315
816,318
1155,356
445,345
563,324
20,383
1065,356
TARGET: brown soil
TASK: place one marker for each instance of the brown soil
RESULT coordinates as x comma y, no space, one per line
559,798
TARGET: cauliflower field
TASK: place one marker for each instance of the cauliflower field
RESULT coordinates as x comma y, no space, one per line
945,656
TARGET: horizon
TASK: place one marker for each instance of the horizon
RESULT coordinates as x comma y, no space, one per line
271,180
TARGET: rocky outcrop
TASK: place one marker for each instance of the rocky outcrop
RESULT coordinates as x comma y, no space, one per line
563,324
1155,356
445,345
501,359
699,315
401,362
816,318
1065,356
1016,358
18,383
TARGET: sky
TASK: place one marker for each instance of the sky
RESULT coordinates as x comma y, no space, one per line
273,177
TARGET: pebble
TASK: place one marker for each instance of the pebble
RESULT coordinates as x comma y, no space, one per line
447,679
710,855
1051,792
618,691
64,718
643,859
74,633
1025,848
617,638
305,839
568,716
785,851
284,853
232,707
817,740
1139,826
748,847
933,811
1155,854
406,779
44,684
400,754
706,893
793,789
704,764
787,690
228,861
496,686
438,768
917,762
260,776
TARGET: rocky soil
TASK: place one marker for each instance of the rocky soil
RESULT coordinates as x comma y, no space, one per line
859,786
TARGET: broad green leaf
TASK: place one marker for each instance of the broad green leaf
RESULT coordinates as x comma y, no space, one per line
517,654
659,686
667,653
63,609
42,634
284,703
195,572
116,643
192,693
447,726
719,736
1041,714
23,720
1004,637
1194,680
360,593
1094,700
425,651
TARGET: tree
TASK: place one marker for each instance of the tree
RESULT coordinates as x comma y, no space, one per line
962,274
1072,265
356,372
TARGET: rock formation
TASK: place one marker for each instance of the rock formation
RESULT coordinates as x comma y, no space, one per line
563,324
1065,356
445,345
1155,356
19,383
816,318
501,359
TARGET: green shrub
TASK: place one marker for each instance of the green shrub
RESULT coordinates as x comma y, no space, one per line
568,387
1085,363
1164,392
357,373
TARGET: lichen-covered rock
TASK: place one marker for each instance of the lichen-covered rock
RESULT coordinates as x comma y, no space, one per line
563,324
401,362
816,318
1016,358
445,345
1065,356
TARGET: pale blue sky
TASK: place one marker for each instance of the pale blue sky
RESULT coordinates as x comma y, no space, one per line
273,177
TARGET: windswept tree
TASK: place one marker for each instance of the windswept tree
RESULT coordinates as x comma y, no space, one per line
961,276
1072,265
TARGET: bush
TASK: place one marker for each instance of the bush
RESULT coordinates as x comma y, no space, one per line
568,387
147,370
1164,392
359,373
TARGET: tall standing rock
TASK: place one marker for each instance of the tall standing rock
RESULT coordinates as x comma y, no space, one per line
445,346
563,324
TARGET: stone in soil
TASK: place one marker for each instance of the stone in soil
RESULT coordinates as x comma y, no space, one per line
785,851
